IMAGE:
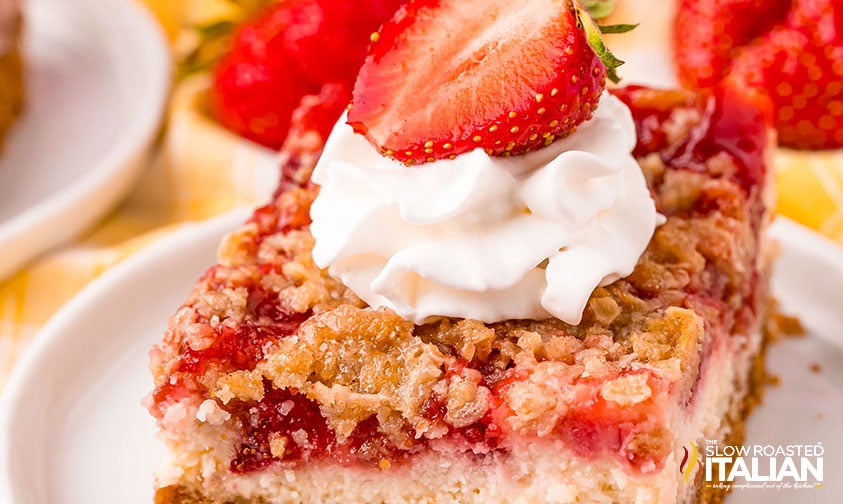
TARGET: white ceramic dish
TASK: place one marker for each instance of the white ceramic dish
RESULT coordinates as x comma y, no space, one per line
93,422
72,428
98,74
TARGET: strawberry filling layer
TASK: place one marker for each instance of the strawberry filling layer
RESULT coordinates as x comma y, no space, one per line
593,426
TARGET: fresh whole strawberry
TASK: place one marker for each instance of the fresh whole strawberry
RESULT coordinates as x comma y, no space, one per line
706,32
326,39
447,76
798,62
291,50
250,98
805,82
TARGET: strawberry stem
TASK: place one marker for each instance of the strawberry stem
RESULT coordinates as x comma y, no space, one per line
617,28
598,9
595,40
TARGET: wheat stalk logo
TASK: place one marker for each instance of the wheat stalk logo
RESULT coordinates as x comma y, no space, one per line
689,461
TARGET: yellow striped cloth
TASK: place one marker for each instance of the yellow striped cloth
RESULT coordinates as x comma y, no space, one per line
201,170
198,171
811,190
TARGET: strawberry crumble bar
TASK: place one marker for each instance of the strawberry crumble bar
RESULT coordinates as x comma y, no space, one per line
276,384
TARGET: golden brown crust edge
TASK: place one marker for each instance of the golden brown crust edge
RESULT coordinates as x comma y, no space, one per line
11,83
177,494
759,378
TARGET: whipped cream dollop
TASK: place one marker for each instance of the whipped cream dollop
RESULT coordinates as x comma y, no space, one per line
482,237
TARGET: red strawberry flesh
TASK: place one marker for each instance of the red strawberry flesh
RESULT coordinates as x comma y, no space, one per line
249,99
288,51
445,77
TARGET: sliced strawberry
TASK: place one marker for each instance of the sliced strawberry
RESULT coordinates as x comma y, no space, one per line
707,31
446,76
799,63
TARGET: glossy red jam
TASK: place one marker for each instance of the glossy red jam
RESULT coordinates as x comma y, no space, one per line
286,427
290,415
734,122
240,348
270,220
281,412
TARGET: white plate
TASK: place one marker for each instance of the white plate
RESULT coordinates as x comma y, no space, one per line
72,428
98,73
72,407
